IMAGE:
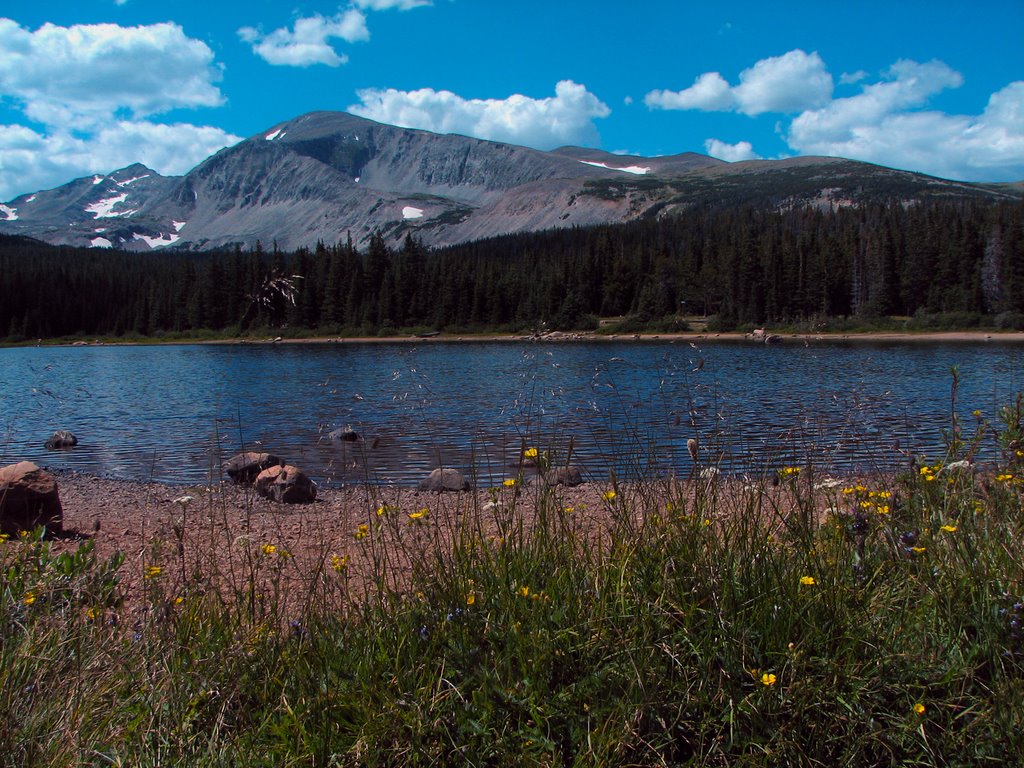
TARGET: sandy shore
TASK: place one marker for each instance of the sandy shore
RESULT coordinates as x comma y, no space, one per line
972,337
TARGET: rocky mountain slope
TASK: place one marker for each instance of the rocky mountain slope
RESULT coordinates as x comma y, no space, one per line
325,175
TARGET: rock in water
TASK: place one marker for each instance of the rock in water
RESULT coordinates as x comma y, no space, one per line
29,498
61,439
444,480
245,467
287,485
345,434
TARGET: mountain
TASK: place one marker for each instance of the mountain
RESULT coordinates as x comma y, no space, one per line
325,175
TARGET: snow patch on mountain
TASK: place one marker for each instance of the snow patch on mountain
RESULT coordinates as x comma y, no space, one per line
98,180
408,212
100,242
126,182
178,225
157,242
9,214
279,133
634,169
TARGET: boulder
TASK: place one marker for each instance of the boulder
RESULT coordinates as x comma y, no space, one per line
345,434
286,484
444,480
61,439
570,476
29,498
245,467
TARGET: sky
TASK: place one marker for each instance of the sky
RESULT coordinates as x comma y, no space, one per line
90,86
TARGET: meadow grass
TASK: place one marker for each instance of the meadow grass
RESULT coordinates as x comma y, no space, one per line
784,621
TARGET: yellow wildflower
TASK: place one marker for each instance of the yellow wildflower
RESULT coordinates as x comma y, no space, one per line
179,600
530,453
30,597
608,495
919,708
569,510
883,509
949,528
93,613
362,532
787,471
523,591
768,679
808,581
152,572
508,482
268,549
1002,478
917,550
976,414
420,514
470,598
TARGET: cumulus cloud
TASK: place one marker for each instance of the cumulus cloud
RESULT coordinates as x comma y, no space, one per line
308,42
793,82
879,126
87,72
565,118
92,87
30,161
732,153
384,5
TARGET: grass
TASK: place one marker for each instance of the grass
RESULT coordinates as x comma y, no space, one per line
791,621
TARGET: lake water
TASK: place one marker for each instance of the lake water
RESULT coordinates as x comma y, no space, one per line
172,413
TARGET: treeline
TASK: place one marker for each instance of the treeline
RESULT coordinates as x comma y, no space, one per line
740,266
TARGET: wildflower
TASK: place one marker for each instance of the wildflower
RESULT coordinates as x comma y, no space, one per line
419,515
808,581
917,550
30,597
530,453
882,509
768,679
268,549
849,491
608,495
1004,477
339,563
470,598
4,536
949,528
789,471
523,591
508,482
179,600
569,510
707,522
152,572
362,532
93,613
919,709
976,414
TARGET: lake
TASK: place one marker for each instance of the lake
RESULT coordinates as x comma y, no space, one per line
171,413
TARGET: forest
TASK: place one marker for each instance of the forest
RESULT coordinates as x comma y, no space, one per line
738,267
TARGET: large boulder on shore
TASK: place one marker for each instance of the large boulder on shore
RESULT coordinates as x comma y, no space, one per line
444,480
570,476
286,485
245,467
61,439
28,499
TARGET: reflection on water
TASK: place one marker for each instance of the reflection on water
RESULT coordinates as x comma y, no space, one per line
171,413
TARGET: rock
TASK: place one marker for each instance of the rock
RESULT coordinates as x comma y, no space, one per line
29,498
345,434
570,476
244,467
61,439
444,480
286,484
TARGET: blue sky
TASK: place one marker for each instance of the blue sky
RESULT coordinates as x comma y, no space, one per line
93,85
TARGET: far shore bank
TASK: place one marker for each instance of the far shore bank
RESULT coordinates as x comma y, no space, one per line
587,337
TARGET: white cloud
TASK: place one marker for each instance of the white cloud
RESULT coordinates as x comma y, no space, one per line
792,82
308,42
384,5
565,118
732,153
849,78
877,126
30,161
88,72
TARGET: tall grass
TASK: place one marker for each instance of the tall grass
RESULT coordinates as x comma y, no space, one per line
789,621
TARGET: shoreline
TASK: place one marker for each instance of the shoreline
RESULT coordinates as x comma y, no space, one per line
568,337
